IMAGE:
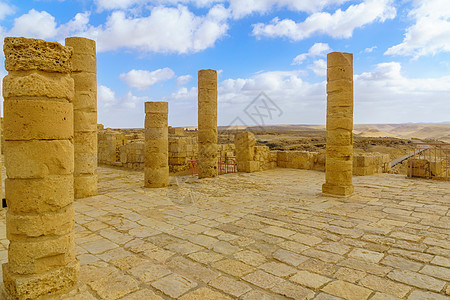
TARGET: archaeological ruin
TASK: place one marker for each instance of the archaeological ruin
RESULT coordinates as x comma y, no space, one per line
156,161
84,74
101,213
39,158
339,160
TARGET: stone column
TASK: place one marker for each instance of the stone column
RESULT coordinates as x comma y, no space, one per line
245,152
156,152
207,124
339,153
84,74
38,131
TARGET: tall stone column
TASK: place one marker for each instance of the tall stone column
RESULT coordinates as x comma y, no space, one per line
84,74
339,153
207,124
156,166
38,131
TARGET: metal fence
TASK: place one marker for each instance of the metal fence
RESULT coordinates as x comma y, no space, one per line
430,160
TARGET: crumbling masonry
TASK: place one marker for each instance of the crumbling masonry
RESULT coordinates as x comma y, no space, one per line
84,74
207,124
38,131
339,152
156,166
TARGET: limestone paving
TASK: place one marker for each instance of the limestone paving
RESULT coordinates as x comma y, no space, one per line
265,235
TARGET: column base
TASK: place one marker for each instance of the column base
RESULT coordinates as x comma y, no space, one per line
337,190
35,286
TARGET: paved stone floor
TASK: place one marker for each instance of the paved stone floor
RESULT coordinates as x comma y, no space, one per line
267,235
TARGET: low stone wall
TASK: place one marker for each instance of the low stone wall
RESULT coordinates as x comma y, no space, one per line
301,160
363,164
132,155
371,163
181,150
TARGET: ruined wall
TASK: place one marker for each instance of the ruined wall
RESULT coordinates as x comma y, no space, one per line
301,160
39,159
132,155
371,163
251,158
181,150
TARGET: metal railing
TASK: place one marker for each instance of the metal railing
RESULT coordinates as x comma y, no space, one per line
430,160
226,164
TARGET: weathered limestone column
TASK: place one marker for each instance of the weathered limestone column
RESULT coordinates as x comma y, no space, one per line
84,74
207,124
38,131
339,154
156,166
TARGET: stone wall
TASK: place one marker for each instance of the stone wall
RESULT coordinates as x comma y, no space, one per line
251,158
371,163
301,160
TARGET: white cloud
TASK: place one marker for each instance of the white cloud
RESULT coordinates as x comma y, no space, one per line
6,10
370,50
107,99
181,80
431,32
242,8
318,49
35,24
142,79
340,24
384,95
319,67
116,4
183,31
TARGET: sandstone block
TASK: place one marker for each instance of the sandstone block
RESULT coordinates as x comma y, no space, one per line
338,190
340,72
41,254
157,134
340,85
156,108
38,159
19,226
37,119
85,142
85,121
86,185
23,54
40,285
86,163
156,178
156,120
336,59
46,85
85,101
85,81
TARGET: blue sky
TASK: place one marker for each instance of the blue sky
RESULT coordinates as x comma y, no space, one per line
152,50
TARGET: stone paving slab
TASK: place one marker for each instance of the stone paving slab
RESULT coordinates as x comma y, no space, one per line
266,235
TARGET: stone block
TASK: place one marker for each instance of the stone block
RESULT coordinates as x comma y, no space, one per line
85,185
39,195
37,119
340,72
40,285
156,108
85,121
40,254
156,178
85,82
22,54
85,101
335,59
45,85
38,159
338,190
21,226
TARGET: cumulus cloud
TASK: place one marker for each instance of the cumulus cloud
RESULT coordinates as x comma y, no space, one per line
143,79
107,99
318,49
431,32
182,80
5,10
35,24
319,67
340,24
183,32
242,8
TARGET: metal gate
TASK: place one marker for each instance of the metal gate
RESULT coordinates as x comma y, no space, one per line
430,160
